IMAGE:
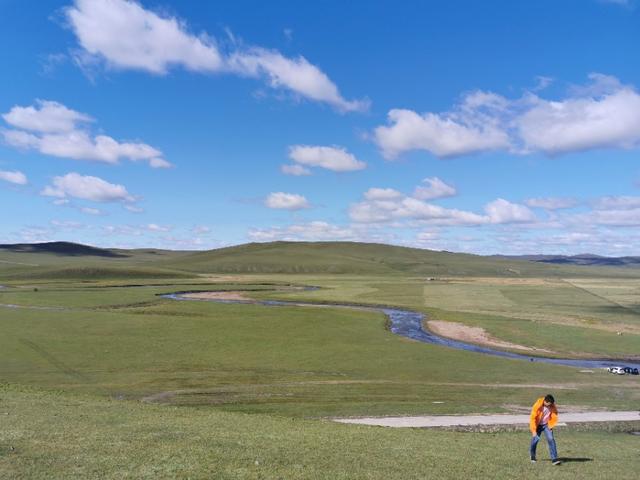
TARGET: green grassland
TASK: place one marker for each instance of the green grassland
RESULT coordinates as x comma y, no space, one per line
156,388
48,435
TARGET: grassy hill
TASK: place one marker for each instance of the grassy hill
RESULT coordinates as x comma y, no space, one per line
68,260
367,258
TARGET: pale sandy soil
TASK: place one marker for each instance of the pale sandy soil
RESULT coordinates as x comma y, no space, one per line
503,281
216,296
477,335
502,419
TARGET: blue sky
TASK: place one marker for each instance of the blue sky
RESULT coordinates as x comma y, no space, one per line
485,127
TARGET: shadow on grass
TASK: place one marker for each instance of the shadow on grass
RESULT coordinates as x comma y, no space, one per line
575,459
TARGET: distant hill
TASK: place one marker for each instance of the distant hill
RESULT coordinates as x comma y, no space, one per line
61,248
586,259
71,260
360,258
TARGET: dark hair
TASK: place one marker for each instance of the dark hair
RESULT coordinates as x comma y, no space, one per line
549,398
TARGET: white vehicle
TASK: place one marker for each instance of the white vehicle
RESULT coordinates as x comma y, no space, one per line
616,370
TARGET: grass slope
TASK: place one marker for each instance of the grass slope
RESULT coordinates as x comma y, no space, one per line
367,258
48,435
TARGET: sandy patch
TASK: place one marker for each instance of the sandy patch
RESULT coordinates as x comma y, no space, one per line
477,335
504,281
500,419
230,295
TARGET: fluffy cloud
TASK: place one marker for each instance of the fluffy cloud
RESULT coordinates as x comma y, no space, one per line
603,114
332,158
617,203
503,211
59,131
126,36
408,208
473,126
607,119
47,117
296,170
307,231
388,205
95,189
297,75
16,177
382,194
436,189
552,203
286,201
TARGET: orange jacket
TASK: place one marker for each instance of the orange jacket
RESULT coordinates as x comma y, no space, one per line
536,415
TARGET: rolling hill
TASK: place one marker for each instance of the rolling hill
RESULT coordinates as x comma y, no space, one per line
366,258
69,260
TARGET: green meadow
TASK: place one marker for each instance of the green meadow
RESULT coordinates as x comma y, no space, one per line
102,377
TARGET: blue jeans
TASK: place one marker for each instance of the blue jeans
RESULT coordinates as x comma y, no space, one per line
550,440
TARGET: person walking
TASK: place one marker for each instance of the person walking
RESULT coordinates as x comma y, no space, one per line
544,416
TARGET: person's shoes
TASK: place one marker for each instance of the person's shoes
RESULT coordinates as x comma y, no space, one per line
533,460
556,462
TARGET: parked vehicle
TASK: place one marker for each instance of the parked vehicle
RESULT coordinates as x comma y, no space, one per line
616,370
631,370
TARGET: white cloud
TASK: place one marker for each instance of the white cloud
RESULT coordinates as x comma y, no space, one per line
296,170
306,232
608,120
552,203
628,217
16,177
617,203
472,127
47,117
408,208
286,201
388,205
126,36
382,194
59,133
436,189
86,188
602,114
201,230
297,75
332,158
503,211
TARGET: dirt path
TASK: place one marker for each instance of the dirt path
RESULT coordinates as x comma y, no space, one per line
502,419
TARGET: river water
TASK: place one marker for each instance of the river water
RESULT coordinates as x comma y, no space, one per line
409,324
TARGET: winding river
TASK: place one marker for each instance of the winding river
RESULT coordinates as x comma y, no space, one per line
409,324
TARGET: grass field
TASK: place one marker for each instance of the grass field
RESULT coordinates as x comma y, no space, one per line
53,435
186,388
